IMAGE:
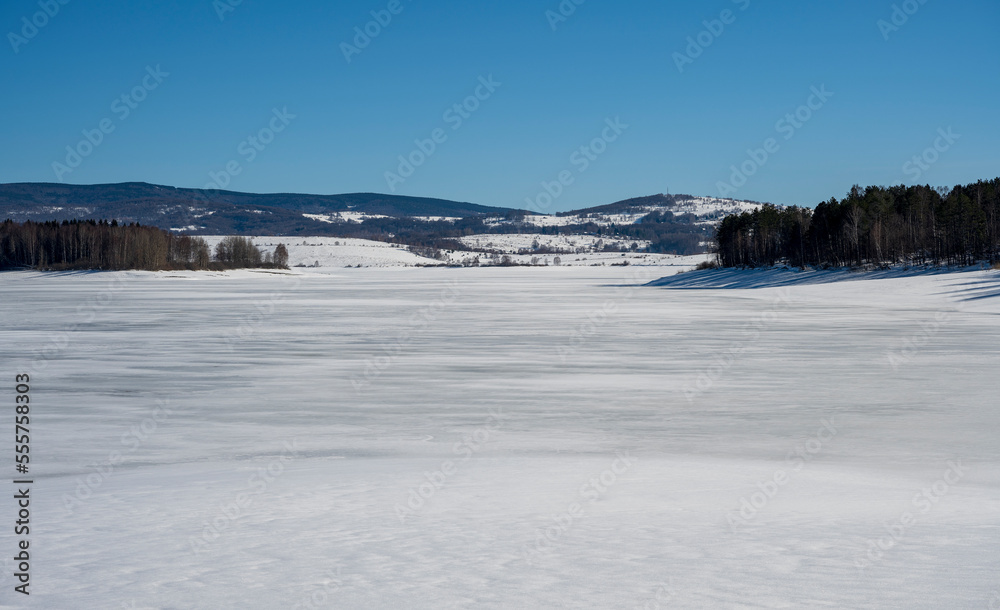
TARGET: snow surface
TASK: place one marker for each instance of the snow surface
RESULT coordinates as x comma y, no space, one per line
358,388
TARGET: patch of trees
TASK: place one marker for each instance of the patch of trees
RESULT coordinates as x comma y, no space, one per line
103,245
877,226
668,233
427,252
677,243
235,252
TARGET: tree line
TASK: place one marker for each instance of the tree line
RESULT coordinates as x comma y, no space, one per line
104,245
877,226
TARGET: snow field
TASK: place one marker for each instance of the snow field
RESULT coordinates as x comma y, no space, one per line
521,437
339,252
514,243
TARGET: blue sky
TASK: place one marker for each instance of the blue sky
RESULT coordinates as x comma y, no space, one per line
556,84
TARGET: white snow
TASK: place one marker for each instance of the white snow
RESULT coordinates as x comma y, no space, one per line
338,252
515,242
341,217
437,218
361,389
709,210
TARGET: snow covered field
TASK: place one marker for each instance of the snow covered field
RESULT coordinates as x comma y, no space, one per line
515,242
508,438
340,252
337,251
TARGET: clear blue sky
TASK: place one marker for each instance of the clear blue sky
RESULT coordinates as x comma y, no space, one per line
938,70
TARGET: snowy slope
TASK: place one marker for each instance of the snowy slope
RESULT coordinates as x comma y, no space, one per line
337,217
508,438
708,210
516,242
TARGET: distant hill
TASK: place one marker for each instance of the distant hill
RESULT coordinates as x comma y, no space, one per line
705,209
681,224
214,212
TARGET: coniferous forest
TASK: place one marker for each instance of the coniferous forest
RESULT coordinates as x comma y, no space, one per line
874,227
103,245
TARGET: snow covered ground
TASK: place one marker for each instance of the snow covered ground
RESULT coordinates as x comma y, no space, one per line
338,252
345,217
515,242
508,438
340,217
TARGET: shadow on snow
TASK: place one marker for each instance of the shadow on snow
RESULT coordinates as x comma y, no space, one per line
728,279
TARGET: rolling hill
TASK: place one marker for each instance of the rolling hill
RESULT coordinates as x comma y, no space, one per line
213,212
660,223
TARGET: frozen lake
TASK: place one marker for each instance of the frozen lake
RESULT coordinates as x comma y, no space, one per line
508,438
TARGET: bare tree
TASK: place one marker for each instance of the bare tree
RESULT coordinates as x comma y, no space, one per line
281,256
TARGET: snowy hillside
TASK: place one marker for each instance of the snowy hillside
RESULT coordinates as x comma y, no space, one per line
516,242
712,209
708,210
574,250
346,217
